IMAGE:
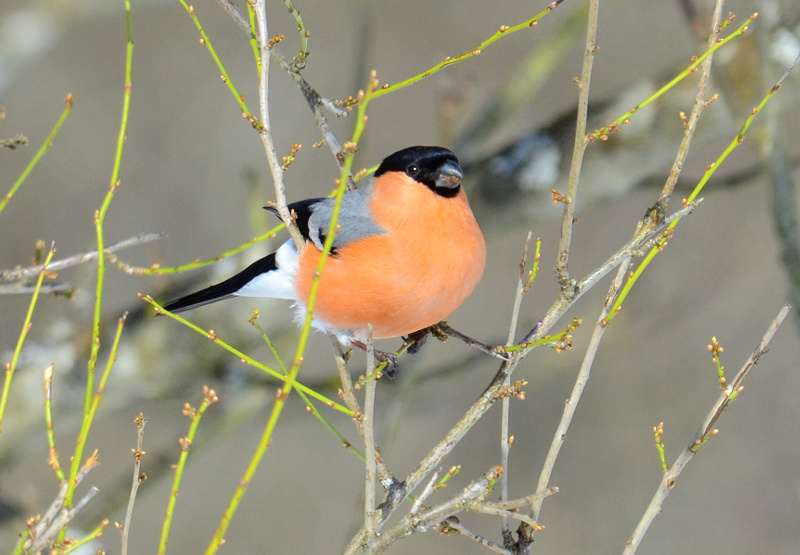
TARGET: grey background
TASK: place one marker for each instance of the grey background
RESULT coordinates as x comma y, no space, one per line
188,155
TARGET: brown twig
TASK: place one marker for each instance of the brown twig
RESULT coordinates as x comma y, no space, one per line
562,268
265,129
315,101
138,478
700,102
580,383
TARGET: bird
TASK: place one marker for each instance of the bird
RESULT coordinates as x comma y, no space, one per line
407,252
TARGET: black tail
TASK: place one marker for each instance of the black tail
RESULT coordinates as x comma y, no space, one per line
225,289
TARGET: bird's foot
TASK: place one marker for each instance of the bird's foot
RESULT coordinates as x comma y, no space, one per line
417,339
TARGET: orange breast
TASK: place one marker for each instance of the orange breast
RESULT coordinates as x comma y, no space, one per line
412,277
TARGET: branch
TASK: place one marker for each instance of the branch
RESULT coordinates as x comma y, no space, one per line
20,274
57,517
690,124
265,129
138,478
703,433
577,390
562,270
315,101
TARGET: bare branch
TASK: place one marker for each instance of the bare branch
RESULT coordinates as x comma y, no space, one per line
138,478
368,421
453,523
21,274
583,377
562,269
265,129
703,433
57,517
690,125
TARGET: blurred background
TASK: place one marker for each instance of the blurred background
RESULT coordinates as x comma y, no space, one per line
194,170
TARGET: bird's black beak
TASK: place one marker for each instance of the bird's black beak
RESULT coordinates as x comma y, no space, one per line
449,175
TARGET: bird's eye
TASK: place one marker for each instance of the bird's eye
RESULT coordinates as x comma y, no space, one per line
412,170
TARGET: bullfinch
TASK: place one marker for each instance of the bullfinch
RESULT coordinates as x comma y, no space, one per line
406,254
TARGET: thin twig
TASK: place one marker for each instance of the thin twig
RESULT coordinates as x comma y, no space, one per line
21,274
138,478
496,352
453,523
562,269
57,517
505,442
690,125
53,462
426,492
315,101
583,377
265,129
640,243
236,14
11,366
703,433
348,395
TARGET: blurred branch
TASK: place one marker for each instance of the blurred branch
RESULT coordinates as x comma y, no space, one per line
23,334
48,142
703,433
20,274
59,514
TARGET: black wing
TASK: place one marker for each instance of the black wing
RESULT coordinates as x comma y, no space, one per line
225,289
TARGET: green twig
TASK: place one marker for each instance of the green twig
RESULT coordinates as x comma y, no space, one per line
209,398
658,434
309,404
615,125
91,536
225,77
560,341
251,13
26,326
155,269
245,358
39,153
503,31
92,396
710,171
302,55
